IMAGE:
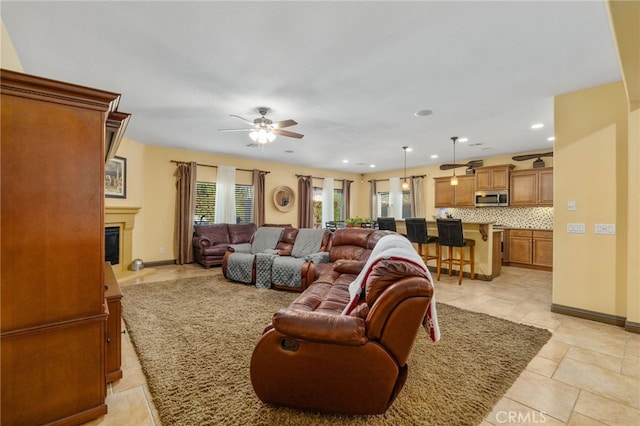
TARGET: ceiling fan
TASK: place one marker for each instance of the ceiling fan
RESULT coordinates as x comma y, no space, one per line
263,130
536,164
471,166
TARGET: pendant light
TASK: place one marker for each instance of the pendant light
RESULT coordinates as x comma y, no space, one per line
454,178
405,182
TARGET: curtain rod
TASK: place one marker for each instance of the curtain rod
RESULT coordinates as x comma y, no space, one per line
316,177
381,180
209,165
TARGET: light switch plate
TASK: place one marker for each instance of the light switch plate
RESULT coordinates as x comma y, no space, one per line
571,206
575,228
605,229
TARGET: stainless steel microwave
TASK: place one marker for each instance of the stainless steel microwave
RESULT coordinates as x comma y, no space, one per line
492,198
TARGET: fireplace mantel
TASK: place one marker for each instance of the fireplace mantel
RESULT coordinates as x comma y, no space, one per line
124,218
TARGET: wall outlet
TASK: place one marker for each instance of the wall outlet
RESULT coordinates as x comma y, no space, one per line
162,250
575,228
605,229
571,206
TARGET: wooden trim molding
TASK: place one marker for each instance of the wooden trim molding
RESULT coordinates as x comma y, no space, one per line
596,316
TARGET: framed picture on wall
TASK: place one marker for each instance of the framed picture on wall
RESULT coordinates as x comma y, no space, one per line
115,178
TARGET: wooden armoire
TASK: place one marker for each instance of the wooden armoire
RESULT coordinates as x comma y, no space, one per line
54,314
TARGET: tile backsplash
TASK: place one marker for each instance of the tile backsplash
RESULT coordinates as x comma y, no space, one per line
511,217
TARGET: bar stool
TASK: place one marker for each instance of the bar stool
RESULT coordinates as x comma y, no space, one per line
417,233
450,235
387,223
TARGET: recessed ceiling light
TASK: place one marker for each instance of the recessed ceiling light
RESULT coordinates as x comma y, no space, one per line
463,139
423,113
537,126
409,149
372,166
551,138
434,155
345,161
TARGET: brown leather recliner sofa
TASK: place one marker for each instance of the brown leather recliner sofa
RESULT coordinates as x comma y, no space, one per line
210,242
314,357
285,267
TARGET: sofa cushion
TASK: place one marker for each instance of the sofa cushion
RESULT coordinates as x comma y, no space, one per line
387,272
218,232
307,242
347,266
265,238
241,233
217,250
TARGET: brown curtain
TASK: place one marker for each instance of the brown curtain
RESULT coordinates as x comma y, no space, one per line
258,196
305,204
373,199
346,197
186,186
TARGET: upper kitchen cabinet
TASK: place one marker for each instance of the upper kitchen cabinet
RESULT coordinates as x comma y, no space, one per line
493,177
461,195
531,188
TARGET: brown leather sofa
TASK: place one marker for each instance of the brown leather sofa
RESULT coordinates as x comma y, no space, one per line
283,248
210,242
314,358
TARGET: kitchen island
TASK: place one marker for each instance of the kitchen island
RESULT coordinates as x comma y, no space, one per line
488,252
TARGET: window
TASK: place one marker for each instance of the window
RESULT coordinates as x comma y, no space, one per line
206,202
383,204
338,206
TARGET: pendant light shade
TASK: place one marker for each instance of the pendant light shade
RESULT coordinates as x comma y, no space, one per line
454,178
405,181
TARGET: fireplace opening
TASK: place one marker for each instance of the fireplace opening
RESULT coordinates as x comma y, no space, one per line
112,244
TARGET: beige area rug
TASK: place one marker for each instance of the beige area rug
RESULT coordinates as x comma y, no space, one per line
195,336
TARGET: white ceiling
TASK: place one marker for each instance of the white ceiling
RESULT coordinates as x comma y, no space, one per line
352,74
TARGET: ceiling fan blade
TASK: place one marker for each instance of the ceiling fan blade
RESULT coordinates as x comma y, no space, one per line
284,123
288,133
474,163
236,130
243,119
450,166
532,156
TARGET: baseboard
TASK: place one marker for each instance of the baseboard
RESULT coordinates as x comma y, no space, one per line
632,327
160,263
445,271
595,316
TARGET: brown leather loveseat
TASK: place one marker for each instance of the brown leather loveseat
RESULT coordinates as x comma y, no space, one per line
313,356
210,242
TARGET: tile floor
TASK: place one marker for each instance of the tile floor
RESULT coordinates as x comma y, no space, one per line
587,374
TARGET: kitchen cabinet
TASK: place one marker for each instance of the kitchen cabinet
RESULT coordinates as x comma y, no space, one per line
461,195
531,188
493,178
529,248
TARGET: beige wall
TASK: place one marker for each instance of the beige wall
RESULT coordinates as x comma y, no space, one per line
9,58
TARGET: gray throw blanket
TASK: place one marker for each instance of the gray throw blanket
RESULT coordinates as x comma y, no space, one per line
240,265
286,269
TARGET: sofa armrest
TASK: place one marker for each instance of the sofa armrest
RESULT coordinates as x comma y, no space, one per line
240,248
203,241
320,327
